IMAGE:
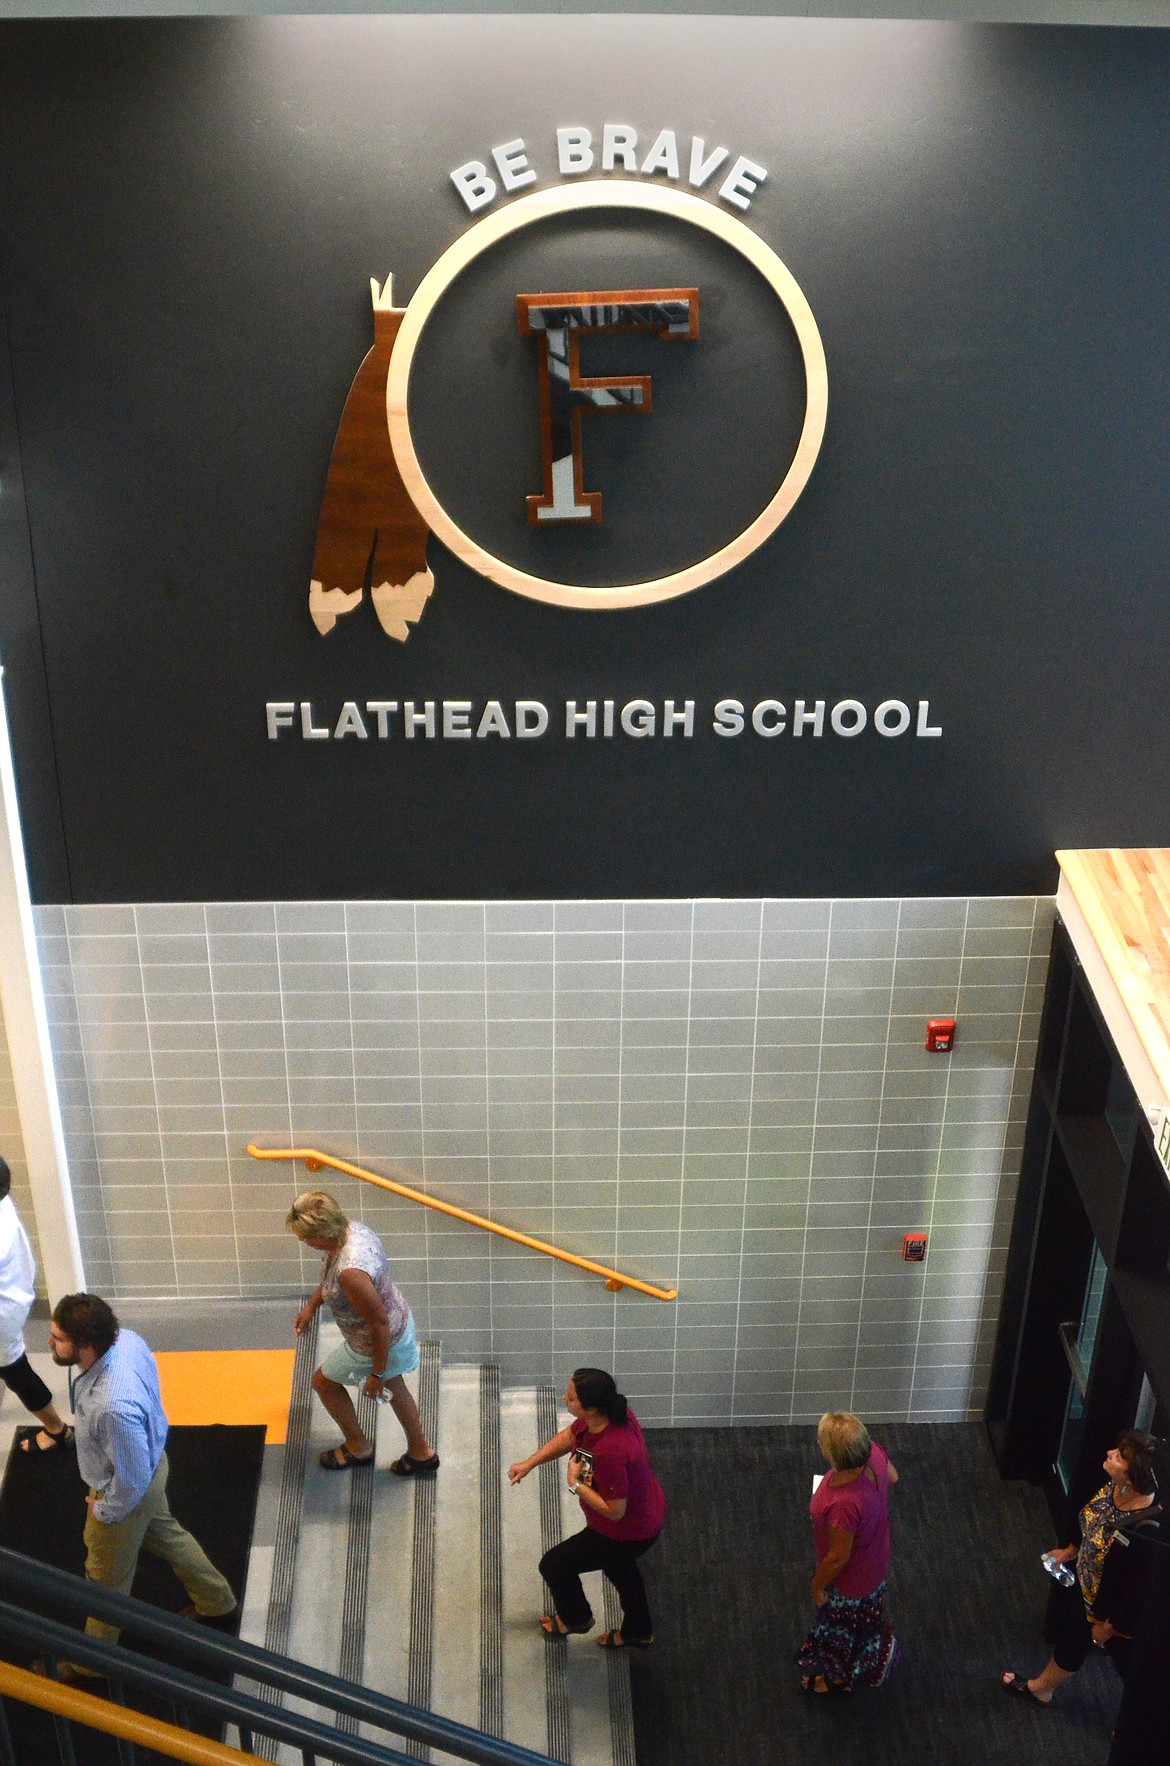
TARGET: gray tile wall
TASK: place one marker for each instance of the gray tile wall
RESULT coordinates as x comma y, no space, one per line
728,1095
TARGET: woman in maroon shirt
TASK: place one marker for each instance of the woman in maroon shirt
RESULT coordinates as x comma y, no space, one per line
850,1645
624,1507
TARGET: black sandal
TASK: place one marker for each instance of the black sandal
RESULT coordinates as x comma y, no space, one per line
615,1640
1017,1685
414,1468
57,1442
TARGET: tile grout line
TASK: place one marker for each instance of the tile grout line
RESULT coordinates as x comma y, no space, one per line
937,1176
357,1121
876,1156
223,1108
682,1185
487,1126
747,1157
162,1158
552,1181
812,1153
287,1074
617,1210
422,1120
82,1046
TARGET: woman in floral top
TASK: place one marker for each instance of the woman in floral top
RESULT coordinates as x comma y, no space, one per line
379,1347
1102,1604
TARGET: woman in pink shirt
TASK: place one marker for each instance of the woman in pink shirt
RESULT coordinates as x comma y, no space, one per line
850,1645
621,1500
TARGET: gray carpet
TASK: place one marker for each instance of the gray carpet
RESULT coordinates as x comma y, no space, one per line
728,1585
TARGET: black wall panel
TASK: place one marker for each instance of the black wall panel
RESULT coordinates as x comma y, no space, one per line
190,213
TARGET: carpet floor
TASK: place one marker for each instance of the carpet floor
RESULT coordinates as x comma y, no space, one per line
728,1584
214,1480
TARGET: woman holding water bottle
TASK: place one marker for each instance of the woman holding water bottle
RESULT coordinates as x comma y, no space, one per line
1102,1585
377,1325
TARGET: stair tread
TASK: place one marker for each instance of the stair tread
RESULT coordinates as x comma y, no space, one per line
455,1674
525,1704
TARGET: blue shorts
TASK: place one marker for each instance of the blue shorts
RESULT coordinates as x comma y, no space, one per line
348,1368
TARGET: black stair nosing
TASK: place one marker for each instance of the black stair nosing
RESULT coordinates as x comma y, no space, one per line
278,1623
357,1563
491,1556
559,1728
420,1657
621,1706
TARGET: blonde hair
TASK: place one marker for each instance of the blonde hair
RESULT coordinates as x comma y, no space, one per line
844,1440
315,1215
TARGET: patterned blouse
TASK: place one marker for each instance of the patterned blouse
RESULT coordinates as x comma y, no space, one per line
1100,1519
362,1249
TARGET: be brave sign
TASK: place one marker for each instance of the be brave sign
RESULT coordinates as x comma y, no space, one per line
603,395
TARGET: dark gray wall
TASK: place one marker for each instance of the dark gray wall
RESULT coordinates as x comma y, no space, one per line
189,216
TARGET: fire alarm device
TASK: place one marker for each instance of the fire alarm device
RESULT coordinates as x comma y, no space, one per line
940,1035
914,1248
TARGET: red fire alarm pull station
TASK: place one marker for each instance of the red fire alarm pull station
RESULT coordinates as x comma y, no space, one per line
940,1035
914,1248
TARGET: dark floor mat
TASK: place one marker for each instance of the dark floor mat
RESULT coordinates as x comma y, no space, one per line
214,1481
729,1585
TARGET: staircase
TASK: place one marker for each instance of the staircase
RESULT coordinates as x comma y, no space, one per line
428,1589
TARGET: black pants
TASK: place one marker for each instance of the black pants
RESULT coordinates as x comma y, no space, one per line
563,1566
1072,1636
22,1378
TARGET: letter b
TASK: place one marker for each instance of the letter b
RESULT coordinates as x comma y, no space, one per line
474,185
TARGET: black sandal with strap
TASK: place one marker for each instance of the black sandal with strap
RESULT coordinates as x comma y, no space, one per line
406,1467
58,1442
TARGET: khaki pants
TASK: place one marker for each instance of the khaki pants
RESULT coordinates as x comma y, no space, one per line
112,1555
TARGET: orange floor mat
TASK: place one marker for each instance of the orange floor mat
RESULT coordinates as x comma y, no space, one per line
228,1386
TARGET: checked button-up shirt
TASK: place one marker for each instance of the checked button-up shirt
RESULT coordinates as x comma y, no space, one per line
121,1426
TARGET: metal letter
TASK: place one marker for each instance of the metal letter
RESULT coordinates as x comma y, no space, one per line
815,717
280,716
382,710
574,152
513,166
350,722
728,718
741,182
852,708
891,718
586,720
474,185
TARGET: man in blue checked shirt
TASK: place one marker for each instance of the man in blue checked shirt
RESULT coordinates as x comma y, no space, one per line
121,1441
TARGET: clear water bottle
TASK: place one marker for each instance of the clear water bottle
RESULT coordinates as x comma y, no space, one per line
1061,1572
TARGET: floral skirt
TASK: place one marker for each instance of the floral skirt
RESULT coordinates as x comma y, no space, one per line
850,1642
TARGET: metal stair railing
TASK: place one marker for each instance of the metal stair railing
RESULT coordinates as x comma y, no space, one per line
315,1160
204,1652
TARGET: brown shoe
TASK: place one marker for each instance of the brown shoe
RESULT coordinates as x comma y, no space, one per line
192,1612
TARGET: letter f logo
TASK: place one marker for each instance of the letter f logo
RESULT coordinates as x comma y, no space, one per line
558,321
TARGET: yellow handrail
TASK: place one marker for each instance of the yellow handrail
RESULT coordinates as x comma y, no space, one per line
314,1160
111,1719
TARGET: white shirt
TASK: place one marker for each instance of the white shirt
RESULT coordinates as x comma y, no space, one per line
18,1278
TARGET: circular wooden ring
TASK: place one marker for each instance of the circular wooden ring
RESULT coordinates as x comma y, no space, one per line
524,212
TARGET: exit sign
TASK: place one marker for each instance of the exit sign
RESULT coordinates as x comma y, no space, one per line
1160,1122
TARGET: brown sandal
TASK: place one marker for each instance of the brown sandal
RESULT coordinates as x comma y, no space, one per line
329,1460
